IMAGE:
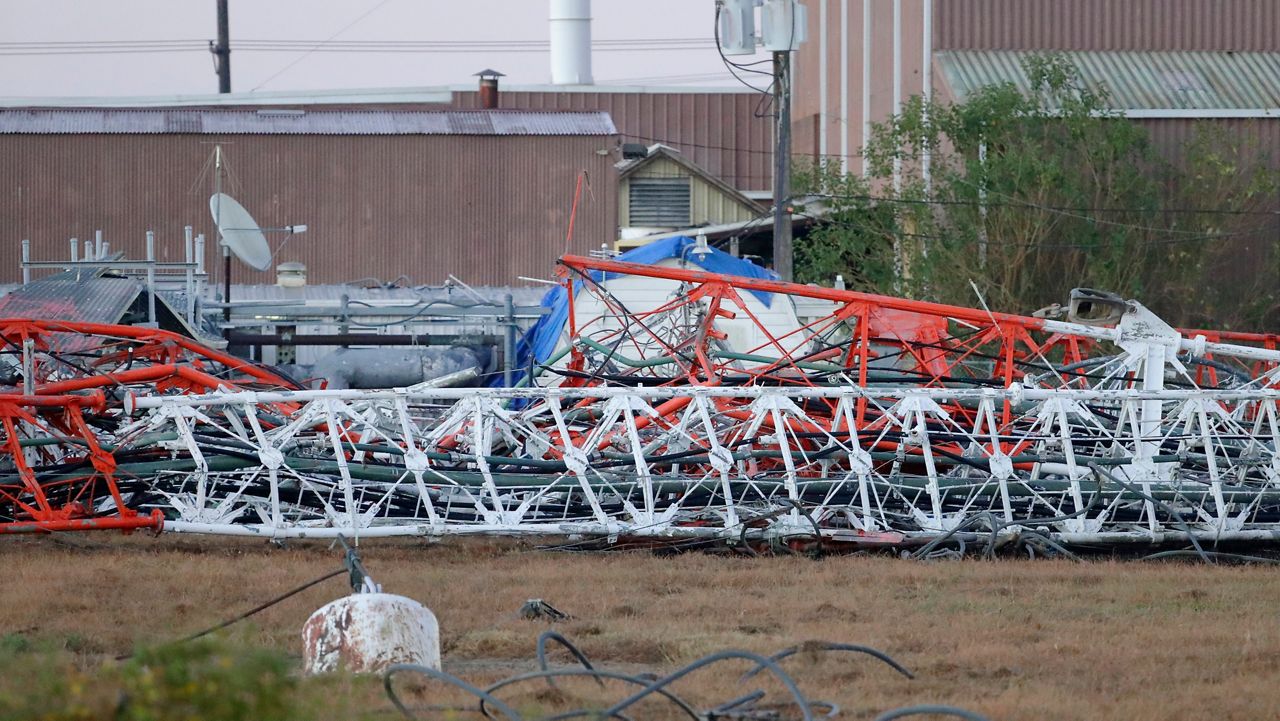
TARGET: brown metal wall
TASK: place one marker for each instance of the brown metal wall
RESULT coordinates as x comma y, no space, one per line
1246,269
483,208
1240,25
718,131
1258,137
1175,25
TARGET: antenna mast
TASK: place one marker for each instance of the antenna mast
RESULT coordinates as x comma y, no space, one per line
222,239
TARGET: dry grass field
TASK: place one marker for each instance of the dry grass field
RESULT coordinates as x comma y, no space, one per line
1010,639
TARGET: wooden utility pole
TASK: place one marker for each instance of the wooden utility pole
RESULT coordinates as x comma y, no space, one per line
222,50
782,164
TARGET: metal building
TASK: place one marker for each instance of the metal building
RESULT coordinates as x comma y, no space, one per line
864,58
662,190
485,195
720,129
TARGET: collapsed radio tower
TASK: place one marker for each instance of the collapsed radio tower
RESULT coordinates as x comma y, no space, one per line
883,422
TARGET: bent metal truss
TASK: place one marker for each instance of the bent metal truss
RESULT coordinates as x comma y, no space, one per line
882,421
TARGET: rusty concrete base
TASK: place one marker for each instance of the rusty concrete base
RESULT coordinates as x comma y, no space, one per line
366,632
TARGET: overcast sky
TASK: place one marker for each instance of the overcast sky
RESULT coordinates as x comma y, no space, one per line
190,68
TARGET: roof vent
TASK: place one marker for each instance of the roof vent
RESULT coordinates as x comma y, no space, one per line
634,151
291,275
489,88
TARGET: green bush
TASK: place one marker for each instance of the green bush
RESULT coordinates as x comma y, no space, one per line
206,680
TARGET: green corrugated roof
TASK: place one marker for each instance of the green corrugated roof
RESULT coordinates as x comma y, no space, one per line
1137,80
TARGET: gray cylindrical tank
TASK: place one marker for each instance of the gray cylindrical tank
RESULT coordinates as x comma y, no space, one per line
395,367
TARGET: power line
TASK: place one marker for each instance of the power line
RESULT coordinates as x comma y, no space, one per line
1048,246
1015,203
340,46
615,42
308,53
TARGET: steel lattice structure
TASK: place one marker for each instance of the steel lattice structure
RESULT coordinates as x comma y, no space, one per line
65,462
885,421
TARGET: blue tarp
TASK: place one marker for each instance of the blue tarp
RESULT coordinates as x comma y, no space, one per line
539,342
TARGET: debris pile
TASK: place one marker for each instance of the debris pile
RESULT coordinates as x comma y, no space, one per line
882,422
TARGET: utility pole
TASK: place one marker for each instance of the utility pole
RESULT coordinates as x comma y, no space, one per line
222,50
782,163
782,24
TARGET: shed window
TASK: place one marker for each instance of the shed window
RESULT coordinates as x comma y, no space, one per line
660,202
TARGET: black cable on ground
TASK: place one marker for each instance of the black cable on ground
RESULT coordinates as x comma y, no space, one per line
598,675
256,609
1216,555
830,646
1099,472
930,710
439,676
801,702
553,636
817,531
650,685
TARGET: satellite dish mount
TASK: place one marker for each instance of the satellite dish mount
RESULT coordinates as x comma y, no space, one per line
239,235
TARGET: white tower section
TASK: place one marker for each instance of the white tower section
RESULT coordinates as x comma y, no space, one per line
571,42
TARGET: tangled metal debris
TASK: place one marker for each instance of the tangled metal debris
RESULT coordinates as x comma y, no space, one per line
884,422
748,706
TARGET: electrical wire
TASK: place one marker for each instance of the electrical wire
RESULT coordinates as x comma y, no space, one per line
81,47
823,219
730,65
1015,203
321,44
743,706
255,610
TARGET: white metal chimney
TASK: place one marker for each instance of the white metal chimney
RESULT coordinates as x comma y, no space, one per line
571,42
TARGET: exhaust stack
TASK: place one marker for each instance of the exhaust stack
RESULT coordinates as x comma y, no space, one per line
570,22
489,88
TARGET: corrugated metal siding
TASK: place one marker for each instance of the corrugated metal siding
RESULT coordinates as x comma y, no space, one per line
1258,138
91,300
1215,25
718,131
1031,25
312,122
1136,80
1251,262
486,209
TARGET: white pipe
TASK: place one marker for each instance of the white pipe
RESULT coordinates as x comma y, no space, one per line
151,276
570,25
823,61
866,83
844,86
188,248
926,76
1206,113
1015,393
424,528
897,87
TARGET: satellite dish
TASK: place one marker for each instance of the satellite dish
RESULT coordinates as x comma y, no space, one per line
240,232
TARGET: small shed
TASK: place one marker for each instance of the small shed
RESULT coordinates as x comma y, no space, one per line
662,189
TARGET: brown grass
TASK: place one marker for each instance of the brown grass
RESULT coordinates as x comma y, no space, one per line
1012,639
